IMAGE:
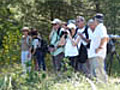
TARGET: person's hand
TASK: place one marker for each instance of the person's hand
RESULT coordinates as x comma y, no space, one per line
81,35
98,49
51,49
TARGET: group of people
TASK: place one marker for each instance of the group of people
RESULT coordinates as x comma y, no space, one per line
32,45
84,44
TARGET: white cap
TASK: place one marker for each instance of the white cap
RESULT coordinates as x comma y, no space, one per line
71,26
56,21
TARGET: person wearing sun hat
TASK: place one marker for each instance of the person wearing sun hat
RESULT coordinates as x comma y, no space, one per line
97,52
25,49
25,29
72,40
55,49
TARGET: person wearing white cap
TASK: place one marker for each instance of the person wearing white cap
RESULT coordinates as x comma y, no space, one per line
56,50
25,49
72,40
97,52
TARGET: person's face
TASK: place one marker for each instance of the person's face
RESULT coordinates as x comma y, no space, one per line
92,26
64,26
25,32
56,26
80,23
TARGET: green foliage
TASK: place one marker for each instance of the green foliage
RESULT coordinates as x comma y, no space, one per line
11,47
14,79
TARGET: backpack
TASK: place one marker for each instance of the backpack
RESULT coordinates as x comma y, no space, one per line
44,46
83,55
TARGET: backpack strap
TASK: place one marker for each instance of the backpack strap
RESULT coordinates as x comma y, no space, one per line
77,29
75,33
58,32
87,36
86,32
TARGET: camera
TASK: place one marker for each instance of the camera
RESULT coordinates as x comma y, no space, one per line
64,32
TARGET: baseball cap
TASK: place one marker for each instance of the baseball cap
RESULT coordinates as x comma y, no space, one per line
56,21
99,17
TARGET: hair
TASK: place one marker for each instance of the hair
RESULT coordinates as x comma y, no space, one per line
81,18
90,21
99,21
33,32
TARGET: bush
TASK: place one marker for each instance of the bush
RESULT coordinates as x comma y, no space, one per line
10,52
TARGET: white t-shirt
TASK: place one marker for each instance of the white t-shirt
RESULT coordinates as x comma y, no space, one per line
99,33
70,50
35,43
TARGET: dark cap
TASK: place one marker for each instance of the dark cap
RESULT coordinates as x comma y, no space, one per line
99,17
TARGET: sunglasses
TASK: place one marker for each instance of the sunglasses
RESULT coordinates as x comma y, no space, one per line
81,20
25,31
54,24
78,21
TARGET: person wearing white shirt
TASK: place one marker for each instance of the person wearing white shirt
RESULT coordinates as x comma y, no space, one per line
97,52
71,50
82,29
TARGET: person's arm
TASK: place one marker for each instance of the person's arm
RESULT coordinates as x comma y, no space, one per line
104,38
34,47
103,41
30,44
83,38
34,50
74,42
62,41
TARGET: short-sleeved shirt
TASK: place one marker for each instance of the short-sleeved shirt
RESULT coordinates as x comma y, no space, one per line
25,43
35,43
99,33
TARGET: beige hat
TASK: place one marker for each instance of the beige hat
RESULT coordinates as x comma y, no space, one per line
25,29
